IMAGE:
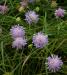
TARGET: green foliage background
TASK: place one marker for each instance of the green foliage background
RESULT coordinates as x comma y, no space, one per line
29,60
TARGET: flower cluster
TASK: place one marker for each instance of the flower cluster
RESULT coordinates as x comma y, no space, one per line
40,40
24,3
3,9
19,43
18,34
54,63
17,31
59,12
31,17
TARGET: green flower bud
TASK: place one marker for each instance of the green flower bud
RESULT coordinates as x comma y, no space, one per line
37,9
53,4
18,19
30,46
21,9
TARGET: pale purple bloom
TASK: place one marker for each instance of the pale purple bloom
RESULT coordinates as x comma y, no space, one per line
3,9
59,12
31,1
54,63
24,4
19,43
40,40
31,17
17,31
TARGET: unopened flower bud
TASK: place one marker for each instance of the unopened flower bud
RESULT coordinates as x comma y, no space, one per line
37,9
21,9
18,19
30,46
53,4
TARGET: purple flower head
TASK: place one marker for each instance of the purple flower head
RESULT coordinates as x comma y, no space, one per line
3,9
19,43
17,31
31,1
54,63
59,12
31,16
24,3
40,40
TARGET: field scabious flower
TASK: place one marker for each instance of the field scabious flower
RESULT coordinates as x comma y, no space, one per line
3,9
31,17
17,31
40,40
19,43
59,12
31,1
24,3
54,63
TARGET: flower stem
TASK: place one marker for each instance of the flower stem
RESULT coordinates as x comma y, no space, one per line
2,51
46,61
45,23
5,2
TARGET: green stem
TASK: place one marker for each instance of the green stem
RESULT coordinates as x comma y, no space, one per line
45,30
5,2
29,28
15,55
46,60
46,67
45,23
2,54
